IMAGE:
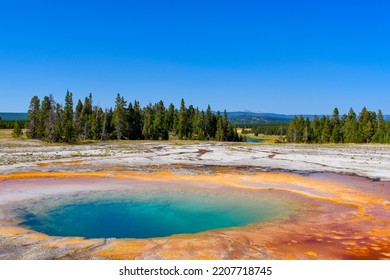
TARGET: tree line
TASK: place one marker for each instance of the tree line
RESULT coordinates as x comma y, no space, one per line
52,122
8,124
273,128
16,126
366,127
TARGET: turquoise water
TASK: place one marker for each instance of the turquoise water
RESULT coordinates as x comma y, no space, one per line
156,214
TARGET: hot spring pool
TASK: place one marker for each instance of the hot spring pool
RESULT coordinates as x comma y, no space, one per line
156,213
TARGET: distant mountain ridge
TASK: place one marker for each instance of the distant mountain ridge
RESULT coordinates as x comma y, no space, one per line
254,118
14,116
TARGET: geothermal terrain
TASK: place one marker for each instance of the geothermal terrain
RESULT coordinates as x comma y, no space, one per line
340,195
371,161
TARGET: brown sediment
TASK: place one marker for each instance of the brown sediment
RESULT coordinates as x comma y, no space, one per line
340,219
201,152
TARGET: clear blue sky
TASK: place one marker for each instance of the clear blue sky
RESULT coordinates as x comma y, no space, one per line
265,56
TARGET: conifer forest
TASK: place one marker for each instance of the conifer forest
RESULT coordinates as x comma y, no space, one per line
52,122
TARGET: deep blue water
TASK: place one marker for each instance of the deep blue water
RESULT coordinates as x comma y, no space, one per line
144,216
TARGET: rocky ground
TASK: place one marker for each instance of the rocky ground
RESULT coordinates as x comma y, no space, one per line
371,161
341,216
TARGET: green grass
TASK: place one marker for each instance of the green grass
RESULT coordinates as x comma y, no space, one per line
264,139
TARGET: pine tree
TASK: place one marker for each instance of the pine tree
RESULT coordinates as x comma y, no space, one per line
300,129
366,128
17,132
351,128
292,130
190,122
67,119
219,135
160,126
182,121
97,119
386,134
58,127
307,132
237,138
43,119
171,116
225,125
86,118
381,127
33,116
110,128
130,122
316,130
148,130
51,122
105,135
200,126
79,122
281,139
326,129
230,136
138,121
336,136
119,119
210,123
195,124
